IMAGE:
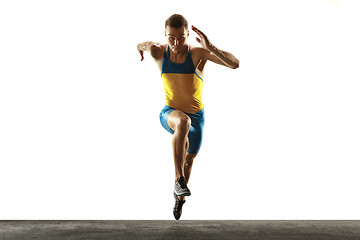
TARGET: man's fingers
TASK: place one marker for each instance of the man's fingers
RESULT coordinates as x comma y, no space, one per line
195,29
200,33
198,39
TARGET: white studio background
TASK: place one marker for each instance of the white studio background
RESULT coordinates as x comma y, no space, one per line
80,136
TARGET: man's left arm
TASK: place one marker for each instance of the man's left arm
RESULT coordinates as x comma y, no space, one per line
214,54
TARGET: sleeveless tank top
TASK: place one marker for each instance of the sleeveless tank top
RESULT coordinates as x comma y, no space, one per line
183,87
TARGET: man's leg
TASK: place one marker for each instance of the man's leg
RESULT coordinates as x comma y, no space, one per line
180,123
189,159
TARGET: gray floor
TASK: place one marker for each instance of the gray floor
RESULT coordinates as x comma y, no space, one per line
71,230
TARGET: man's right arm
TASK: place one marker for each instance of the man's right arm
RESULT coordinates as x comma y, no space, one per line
152,47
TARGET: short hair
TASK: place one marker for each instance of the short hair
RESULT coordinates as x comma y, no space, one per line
176,21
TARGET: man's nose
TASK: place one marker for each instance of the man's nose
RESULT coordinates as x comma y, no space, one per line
177,42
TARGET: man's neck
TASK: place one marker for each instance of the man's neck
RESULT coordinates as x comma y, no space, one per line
179,56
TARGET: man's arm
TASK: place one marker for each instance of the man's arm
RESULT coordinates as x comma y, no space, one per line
152,47
214,54
222,57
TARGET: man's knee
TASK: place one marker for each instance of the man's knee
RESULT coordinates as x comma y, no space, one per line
183,124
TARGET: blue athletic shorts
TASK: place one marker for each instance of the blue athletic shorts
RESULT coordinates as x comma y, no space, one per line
196,129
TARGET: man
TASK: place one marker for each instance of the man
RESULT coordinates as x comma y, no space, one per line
182,69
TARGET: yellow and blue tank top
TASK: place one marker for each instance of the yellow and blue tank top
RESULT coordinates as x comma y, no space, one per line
182,85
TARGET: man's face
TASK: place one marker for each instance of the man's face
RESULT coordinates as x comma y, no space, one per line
177,38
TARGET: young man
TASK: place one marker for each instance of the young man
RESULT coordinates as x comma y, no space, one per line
182,69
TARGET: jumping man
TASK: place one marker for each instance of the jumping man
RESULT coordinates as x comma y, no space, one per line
182,70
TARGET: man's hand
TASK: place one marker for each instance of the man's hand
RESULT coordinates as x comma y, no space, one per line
203,40
152,47
216,55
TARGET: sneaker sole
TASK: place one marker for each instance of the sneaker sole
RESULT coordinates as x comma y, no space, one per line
183,194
